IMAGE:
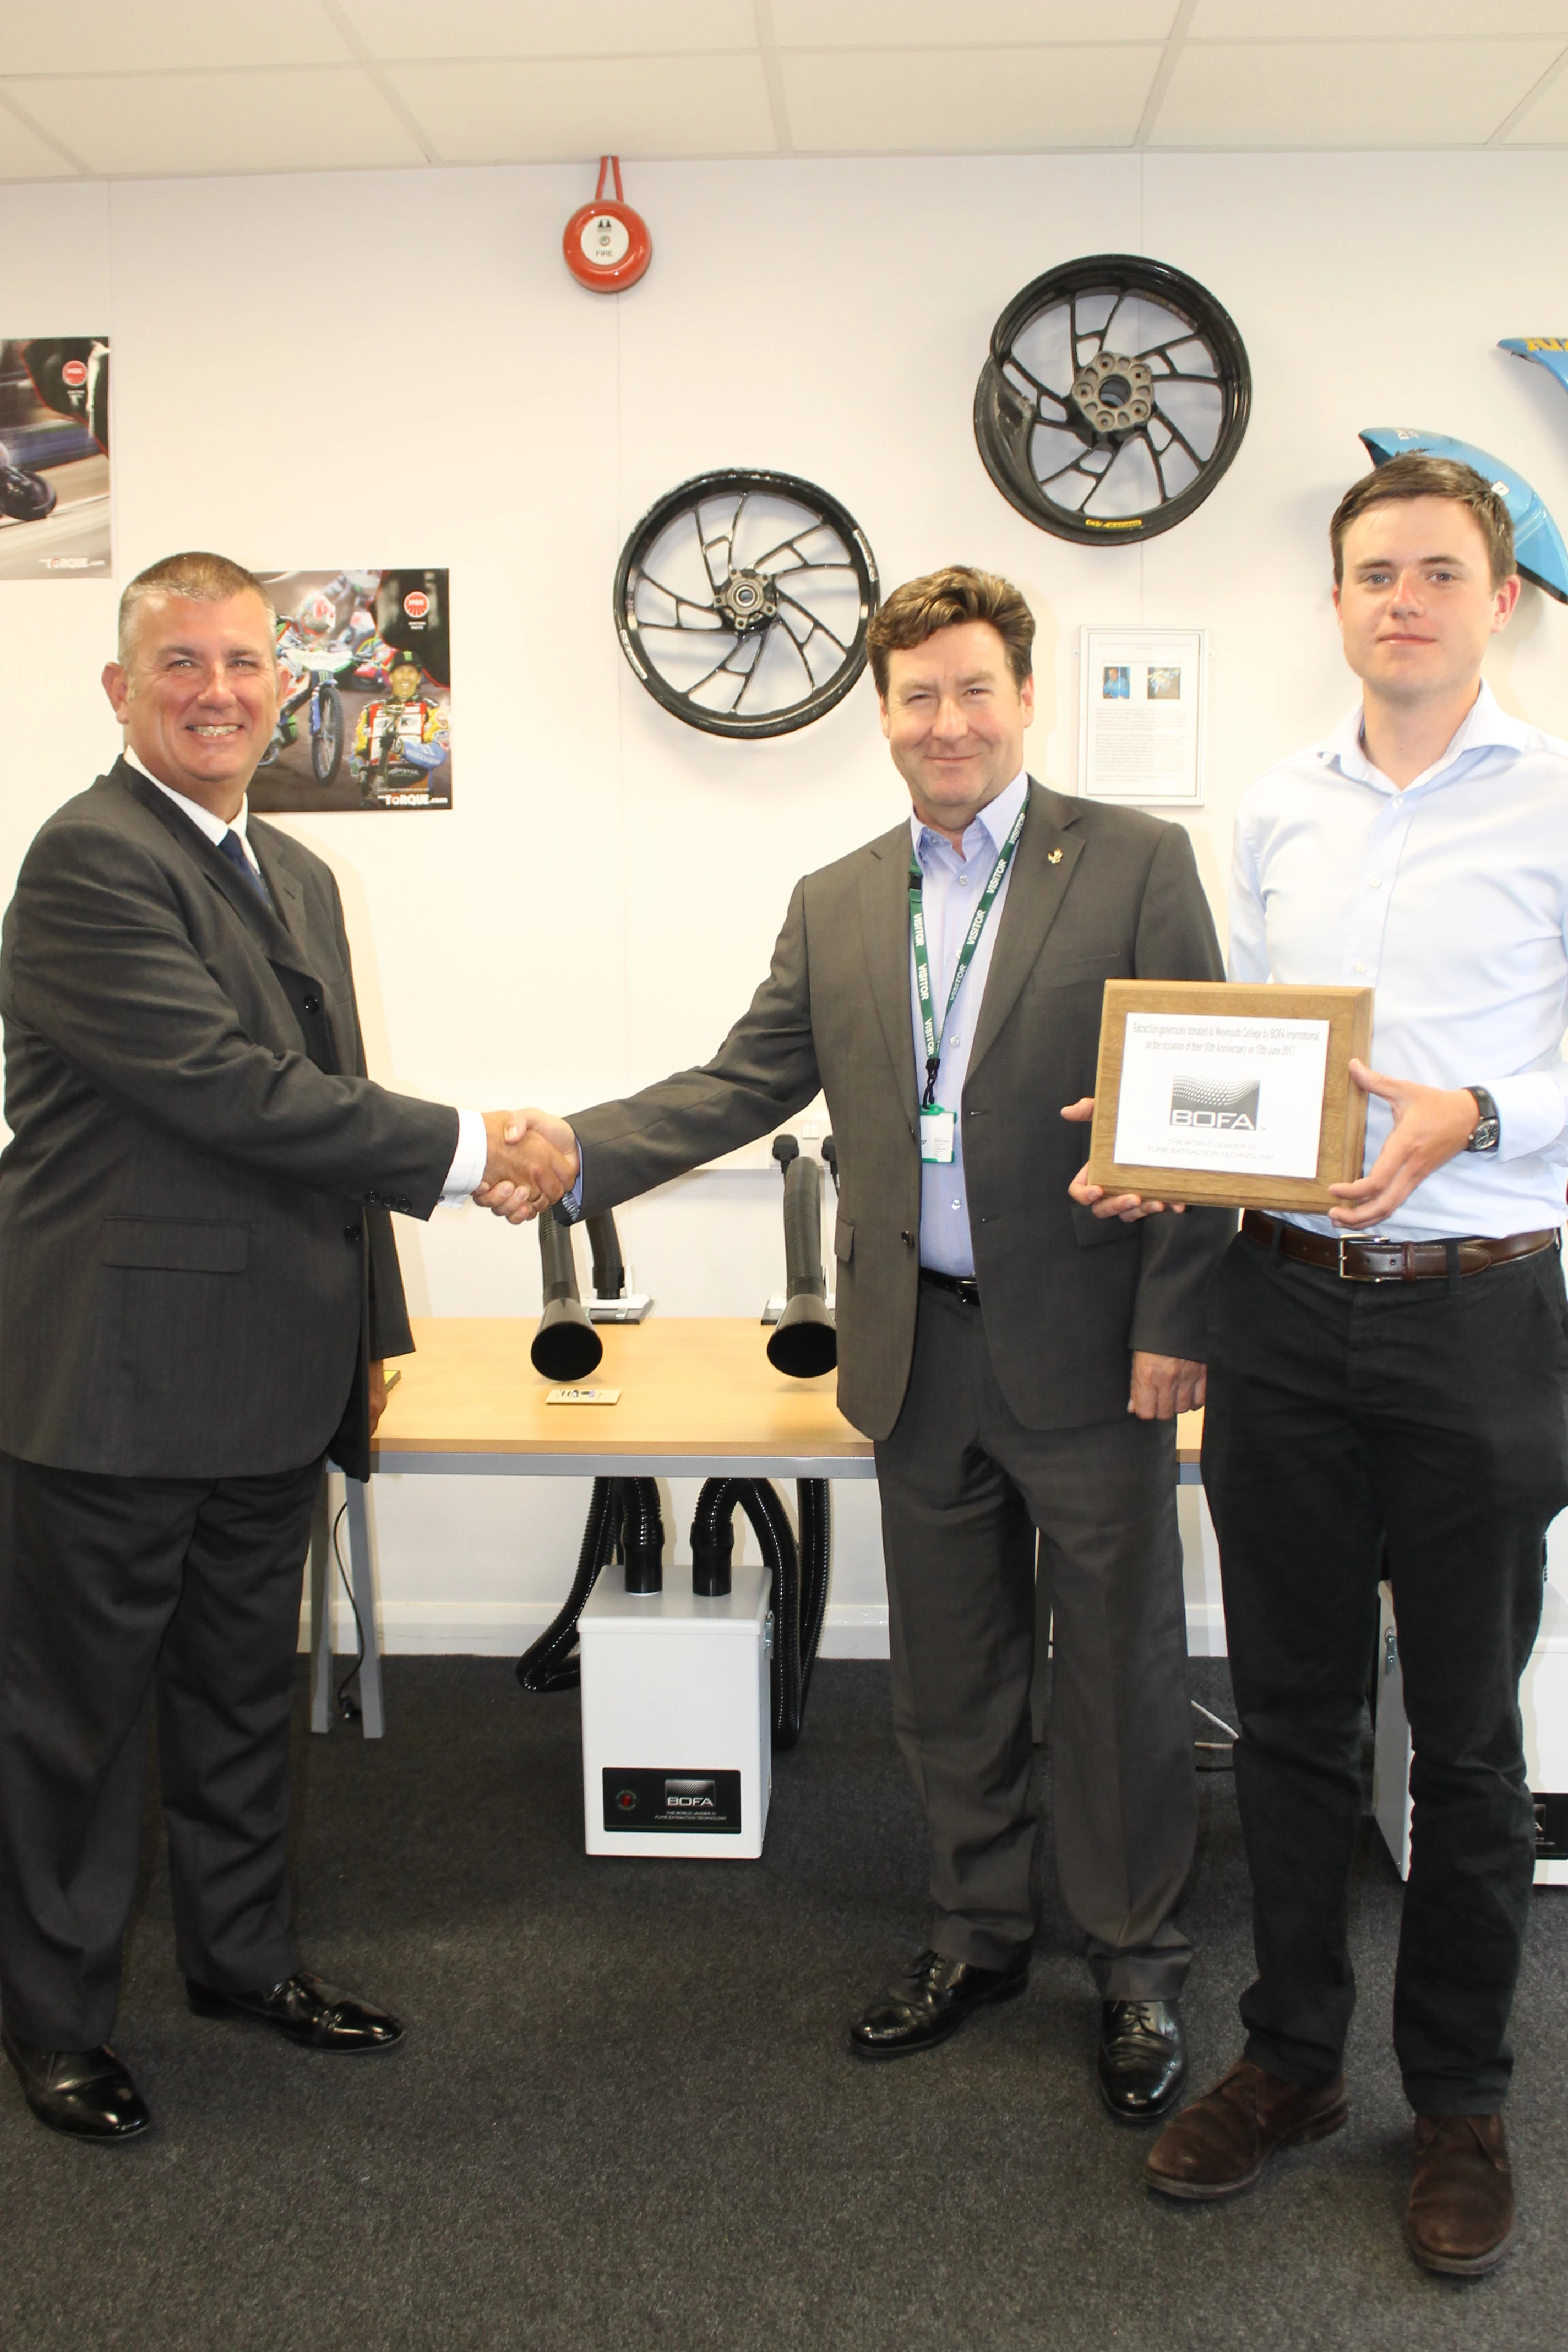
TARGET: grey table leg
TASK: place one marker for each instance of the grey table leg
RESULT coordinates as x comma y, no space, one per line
361,1575
322,1612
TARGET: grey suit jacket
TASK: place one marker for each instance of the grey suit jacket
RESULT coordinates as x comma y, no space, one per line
1096,894
197,1262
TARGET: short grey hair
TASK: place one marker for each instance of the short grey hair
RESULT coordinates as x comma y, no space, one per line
206,578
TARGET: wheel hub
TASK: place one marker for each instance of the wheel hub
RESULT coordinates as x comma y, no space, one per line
1114,394
748,600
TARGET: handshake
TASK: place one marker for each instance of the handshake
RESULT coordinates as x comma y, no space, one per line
531,1162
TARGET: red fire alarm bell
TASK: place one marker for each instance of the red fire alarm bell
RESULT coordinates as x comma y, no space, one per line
607,244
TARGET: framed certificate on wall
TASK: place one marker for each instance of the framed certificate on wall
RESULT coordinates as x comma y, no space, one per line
1230,1096
1142,697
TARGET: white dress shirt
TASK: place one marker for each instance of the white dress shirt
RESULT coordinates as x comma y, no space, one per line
953,882
1449,898
467,1172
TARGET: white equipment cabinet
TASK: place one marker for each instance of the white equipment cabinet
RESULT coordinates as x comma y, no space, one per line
1544,1704
677,1720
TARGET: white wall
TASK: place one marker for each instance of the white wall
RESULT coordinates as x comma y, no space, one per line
603,897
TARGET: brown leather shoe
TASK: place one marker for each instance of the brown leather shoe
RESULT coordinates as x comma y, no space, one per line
1461,2215
1218,2146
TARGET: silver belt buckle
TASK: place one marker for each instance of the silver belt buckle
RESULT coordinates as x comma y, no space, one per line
1345,1273
1371,1241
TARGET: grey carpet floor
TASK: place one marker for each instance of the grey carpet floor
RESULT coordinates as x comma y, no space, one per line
624,2116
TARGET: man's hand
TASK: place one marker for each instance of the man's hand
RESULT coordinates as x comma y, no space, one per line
1431,1124
1128,1206
533,1161
1164,1386
377,1392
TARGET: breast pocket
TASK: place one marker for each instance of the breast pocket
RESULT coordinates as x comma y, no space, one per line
1073,973
175,1245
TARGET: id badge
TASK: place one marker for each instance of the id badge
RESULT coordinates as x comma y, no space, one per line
936,1134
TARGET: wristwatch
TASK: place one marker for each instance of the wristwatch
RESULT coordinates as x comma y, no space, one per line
1486,1133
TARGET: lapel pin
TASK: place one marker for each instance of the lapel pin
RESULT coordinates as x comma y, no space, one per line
1052,857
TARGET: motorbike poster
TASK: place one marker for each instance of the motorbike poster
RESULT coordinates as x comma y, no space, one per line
54,457
364,713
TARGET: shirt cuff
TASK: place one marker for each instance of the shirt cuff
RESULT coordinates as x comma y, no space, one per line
466,1173
1531,1112
571,1201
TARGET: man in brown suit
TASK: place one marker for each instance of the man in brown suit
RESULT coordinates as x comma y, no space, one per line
1017,1364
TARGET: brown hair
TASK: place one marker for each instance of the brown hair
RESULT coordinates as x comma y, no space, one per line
1415,475
207,579
945,600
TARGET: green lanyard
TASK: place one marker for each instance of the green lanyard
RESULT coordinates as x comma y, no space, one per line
966,954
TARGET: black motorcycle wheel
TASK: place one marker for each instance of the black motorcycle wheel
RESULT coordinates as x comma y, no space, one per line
24,497
327,743
741,601
1115,395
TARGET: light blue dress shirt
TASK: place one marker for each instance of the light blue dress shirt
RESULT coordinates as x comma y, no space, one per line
1449,898
951,886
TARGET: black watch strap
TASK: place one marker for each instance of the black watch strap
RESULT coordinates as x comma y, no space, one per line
1486,1133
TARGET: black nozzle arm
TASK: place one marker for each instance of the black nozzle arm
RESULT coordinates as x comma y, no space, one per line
609,1267
802,1229
560,1263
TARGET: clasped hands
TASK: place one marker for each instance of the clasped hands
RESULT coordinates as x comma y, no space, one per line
532,1161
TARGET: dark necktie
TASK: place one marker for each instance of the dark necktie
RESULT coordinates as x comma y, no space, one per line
232,849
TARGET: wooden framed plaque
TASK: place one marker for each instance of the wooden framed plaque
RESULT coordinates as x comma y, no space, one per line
1229,1095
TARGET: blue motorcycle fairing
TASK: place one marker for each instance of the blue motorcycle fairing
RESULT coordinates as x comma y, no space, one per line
1550,352
1538,546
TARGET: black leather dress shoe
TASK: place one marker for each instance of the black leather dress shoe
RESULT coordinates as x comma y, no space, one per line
929,2001
307,2010
85,2092
1142,2058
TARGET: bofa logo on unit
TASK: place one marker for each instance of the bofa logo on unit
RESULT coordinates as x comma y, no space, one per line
691,1796
1229,1105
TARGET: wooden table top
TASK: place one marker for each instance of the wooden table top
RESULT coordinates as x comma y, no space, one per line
698,1386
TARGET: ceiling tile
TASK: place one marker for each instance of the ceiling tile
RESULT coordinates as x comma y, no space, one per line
1361,94
1546,122
544,28
930,24
965,102
553,112
130,36
24,155
312,119
1325,20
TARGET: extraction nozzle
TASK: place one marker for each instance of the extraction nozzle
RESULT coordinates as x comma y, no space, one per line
804,1341
565,1347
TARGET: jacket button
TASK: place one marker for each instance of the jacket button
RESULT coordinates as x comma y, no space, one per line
351,1233
906,1238
312,1003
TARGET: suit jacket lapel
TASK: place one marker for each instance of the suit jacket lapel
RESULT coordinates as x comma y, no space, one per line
885,930
1049,849
288,893
280,944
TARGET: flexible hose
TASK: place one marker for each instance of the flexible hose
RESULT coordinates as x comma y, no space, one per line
799,1596
624,1517
609,1267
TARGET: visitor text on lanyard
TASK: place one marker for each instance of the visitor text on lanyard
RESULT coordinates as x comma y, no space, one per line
936,1124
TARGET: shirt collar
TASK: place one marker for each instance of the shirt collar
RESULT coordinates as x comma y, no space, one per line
202,818
1486,727
992,824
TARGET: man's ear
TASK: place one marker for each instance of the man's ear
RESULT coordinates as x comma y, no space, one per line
117,686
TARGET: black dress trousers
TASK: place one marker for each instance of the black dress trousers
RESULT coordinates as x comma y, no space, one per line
110,1588
1430,1417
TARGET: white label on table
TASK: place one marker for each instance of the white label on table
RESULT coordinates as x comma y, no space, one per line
582,1396
1220,1094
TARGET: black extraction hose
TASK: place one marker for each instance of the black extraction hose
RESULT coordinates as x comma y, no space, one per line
799,1575
565,1345
609,1265
624,1522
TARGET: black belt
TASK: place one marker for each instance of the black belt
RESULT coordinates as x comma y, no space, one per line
963,1285
1374,1260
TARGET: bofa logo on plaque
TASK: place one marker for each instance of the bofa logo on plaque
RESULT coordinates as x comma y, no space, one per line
1226,1104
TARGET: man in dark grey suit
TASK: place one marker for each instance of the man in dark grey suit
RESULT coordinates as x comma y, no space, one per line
1016,1372
197,1282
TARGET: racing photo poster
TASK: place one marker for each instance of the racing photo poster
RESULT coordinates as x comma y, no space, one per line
54,457
364,710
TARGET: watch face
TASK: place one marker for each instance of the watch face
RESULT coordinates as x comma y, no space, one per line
1485,1136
